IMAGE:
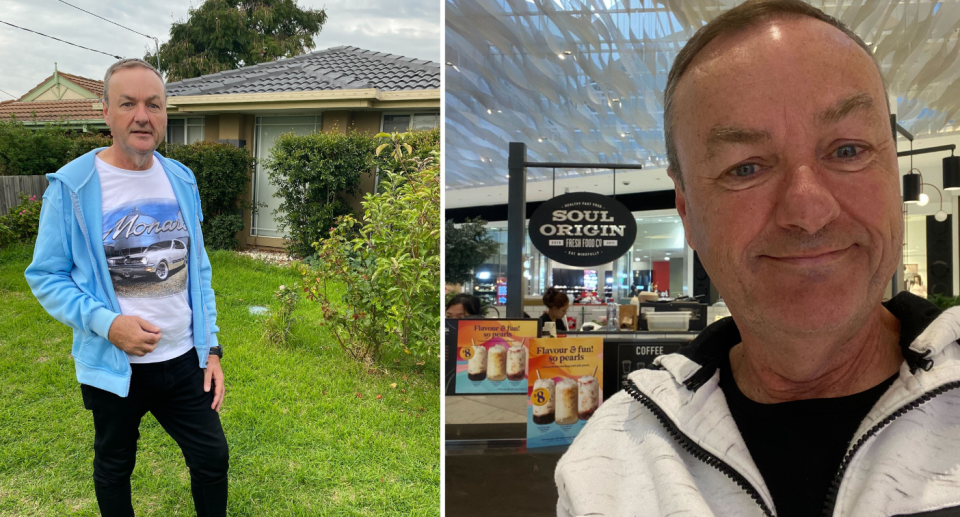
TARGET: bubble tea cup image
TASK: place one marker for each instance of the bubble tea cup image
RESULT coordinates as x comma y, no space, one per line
567,394
589,396
516,362
497,363
477,364
544,414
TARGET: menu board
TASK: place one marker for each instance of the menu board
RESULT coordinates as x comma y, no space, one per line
492,355
564,388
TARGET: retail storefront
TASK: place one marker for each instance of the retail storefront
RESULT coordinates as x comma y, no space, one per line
584,96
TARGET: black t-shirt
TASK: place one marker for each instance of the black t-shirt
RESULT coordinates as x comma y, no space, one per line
560,326
798,445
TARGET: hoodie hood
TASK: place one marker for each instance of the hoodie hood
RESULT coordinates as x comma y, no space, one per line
77,173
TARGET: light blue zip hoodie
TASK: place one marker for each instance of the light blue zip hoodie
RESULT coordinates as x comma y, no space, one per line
70,278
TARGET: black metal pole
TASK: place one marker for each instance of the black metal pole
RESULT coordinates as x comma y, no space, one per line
516,227
568,165
937,149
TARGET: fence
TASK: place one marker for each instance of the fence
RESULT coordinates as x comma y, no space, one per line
12,186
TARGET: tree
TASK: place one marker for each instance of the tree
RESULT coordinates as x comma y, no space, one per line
227,34
467,247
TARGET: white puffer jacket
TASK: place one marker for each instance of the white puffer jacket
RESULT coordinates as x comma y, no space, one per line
668,445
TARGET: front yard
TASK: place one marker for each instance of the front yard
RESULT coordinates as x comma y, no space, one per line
308,434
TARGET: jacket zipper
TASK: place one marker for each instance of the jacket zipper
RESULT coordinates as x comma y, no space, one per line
75,201
695,450
203,305
831,502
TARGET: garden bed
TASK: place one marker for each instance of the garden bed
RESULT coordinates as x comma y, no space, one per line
308,433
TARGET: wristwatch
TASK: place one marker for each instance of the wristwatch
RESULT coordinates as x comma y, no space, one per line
217,351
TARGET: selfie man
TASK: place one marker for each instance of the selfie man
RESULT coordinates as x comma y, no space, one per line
120,259
814,398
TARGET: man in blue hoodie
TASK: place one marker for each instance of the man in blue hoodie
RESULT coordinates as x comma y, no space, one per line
120,259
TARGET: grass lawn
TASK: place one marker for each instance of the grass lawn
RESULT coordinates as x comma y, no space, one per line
301,440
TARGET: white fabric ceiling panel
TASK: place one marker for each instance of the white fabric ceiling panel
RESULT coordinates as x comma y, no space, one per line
582,80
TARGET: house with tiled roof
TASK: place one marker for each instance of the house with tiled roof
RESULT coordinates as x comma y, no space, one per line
337,89
68,99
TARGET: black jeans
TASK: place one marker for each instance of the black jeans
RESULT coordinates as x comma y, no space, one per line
173,391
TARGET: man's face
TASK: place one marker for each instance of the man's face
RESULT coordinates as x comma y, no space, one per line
456,311
136,110
792,193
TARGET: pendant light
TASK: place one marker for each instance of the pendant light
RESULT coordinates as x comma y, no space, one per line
951,173
913,192
911,188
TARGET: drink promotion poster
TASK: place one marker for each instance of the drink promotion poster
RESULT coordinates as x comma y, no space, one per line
492,355
564,386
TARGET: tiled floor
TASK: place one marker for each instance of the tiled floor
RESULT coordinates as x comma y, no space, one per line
486,409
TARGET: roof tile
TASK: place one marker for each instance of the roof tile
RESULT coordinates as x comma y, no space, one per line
74,109
338,68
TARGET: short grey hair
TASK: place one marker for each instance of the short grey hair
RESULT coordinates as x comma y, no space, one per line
129,63
746,15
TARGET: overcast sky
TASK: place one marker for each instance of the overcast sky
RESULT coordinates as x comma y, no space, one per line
405,27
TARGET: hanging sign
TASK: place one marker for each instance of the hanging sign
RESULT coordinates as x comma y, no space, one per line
583,229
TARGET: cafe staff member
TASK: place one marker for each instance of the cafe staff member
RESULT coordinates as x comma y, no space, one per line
557,303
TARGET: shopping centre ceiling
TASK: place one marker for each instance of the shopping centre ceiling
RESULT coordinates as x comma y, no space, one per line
582,80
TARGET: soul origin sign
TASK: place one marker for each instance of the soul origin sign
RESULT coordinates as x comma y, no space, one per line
583,229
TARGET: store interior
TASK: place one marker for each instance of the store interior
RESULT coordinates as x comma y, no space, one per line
582,81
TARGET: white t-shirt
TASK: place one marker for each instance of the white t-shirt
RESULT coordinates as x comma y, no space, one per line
147,245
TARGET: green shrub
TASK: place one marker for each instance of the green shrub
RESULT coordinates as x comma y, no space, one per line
83,143
29,152
21,224
222,170
391,263
312,173
223,173
221,232
944,302
422,143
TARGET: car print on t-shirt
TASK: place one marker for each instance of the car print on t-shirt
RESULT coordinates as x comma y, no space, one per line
146,244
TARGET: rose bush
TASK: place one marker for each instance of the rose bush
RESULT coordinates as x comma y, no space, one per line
21,224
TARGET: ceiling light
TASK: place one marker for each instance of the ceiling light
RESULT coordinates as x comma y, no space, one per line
498,111
666,258
489,112
616,99
567,52
951,173
539,140
911,188
924,199
941,216
560,56
623,135
449,63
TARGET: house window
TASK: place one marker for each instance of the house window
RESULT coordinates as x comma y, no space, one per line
403,122
426,120
184,130
396,123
